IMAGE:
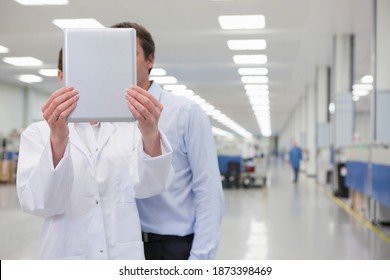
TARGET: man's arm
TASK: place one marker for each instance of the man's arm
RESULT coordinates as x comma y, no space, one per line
206,184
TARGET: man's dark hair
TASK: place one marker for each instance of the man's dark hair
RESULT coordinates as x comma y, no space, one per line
60,60
143,35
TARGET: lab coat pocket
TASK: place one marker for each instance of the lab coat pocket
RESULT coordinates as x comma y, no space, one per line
122,177
127,226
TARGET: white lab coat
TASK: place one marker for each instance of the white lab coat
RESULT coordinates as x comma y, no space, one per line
88,199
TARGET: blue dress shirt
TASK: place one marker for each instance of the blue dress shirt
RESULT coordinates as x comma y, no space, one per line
194,202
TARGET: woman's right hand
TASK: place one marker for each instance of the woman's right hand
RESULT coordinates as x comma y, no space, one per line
56,111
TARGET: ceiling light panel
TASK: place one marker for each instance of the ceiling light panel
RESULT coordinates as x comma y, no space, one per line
362,87
247,44
158,72
214,113
257,92
42,2
254,79
256,87
332,108
264,107
49,72
250,59
175,87
78,23
208,107
184,92
197,99
30,79
367,79
259,101
234,22
258,98
360,92
3,49
221,132
262,117
23,61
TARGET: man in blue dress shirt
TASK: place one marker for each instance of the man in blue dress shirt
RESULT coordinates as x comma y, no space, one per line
182,223
295,156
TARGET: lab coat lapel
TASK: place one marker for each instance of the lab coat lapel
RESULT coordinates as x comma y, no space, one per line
106,130
76,140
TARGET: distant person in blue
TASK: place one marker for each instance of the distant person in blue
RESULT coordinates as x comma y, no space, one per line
295,156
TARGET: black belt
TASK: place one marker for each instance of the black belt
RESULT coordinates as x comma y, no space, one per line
148,237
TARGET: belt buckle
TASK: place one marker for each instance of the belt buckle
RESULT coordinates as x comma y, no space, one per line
145,237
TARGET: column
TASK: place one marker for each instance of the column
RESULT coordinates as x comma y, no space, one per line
380,111
322,96
311,131
342,121
322,93
343,45
381,95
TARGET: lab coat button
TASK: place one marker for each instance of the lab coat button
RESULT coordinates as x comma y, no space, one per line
101,251
97,202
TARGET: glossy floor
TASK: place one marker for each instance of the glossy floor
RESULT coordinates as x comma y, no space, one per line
281,221
295,221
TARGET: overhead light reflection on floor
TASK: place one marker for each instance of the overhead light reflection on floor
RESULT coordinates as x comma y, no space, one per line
257,242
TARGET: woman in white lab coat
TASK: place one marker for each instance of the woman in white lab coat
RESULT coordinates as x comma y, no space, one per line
83,178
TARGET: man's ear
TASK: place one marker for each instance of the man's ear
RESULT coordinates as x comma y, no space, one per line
150,61
60,76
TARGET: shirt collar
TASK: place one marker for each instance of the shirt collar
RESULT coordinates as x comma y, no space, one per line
155,90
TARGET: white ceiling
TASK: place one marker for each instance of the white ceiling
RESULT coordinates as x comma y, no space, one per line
192,47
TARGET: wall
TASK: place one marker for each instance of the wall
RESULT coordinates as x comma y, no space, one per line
36,101
19,107
12,108
238,146
362,127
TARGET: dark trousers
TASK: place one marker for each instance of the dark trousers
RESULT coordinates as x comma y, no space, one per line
168,247
296,174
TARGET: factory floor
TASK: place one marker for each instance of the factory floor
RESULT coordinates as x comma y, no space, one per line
281,221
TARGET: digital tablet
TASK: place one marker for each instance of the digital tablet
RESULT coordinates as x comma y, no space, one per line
101,64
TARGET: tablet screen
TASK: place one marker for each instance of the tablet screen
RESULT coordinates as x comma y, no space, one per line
100,63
